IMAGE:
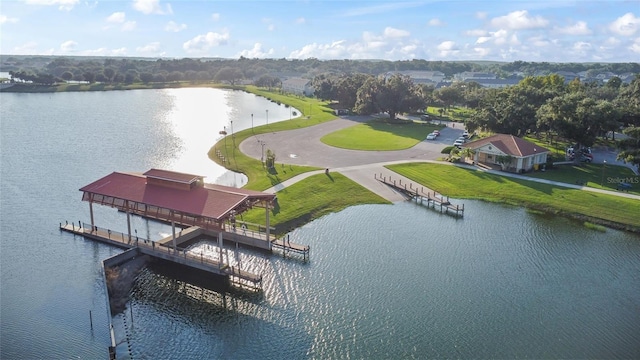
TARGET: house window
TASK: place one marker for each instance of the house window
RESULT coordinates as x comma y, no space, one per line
489,156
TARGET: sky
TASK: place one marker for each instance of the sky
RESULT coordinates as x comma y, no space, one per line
495,30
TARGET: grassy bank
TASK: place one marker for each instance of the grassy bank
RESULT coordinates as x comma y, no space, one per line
461,183
312,198
313,112
593,175
379,136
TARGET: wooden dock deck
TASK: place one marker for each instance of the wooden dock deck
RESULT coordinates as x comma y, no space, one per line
417,192
237,276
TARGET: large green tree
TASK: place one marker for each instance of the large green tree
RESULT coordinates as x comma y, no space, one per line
394,95
630,146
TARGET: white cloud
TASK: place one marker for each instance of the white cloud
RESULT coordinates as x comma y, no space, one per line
151,7
518,20
271,27
390,32
436,22
116,17
481,52
174,27
29,48
500,37
68,46
391,43
66,5
149,49
579,28
301,20
581,46
481,15
215,16
119,52
335,50
538,41
626,25
256,52
202,43
476,32
128,26
7,20
448,48
635,47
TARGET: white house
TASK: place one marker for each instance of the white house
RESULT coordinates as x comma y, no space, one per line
421,76
509,152
473,76
298,86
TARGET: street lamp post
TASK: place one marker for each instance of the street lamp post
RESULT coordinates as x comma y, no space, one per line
252,123
604,166
262,143
267,116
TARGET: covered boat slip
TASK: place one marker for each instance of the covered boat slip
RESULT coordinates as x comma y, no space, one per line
177,198
187,202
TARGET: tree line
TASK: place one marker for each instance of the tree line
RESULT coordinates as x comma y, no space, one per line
130,70
544,105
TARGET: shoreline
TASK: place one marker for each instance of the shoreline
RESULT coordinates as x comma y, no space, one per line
287,100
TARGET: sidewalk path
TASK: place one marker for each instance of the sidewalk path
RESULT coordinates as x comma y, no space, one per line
303,147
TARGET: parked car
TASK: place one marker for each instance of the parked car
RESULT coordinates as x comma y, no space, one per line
431,136
465,134
458,143
437,132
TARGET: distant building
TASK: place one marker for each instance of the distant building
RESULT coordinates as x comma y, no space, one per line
473,76
298,86
496,83
420,76
568,75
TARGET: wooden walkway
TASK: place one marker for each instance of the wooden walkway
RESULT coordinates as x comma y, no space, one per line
243,233
429,198
237,276
290,247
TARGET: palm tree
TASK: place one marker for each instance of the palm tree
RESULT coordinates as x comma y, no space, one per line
467,153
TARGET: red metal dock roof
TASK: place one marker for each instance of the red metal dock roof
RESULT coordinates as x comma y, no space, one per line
209,200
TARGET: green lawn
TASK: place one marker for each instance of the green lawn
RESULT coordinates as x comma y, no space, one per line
462,183
593,175
312,198
379,136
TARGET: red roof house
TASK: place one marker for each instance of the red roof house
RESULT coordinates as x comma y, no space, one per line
510,152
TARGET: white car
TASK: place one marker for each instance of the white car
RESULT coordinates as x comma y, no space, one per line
458,143
432,136
465,134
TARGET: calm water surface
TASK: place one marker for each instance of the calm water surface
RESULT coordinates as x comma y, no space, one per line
384,281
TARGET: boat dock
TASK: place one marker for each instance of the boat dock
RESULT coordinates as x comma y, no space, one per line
429,198
164,250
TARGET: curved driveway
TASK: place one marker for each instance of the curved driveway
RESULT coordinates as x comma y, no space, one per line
303,147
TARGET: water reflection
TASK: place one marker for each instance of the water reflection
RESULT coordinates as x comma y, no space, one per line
197,116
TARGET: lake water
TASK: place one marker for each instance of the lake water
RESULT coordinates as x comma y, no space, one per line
384,281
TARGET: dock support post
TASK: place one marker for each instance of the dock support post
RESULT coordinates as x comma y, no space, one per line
220,242
268,225
128,224
173,231
93,225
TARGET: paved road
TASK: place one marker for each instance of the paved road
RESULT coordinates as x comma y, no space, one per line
303,147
